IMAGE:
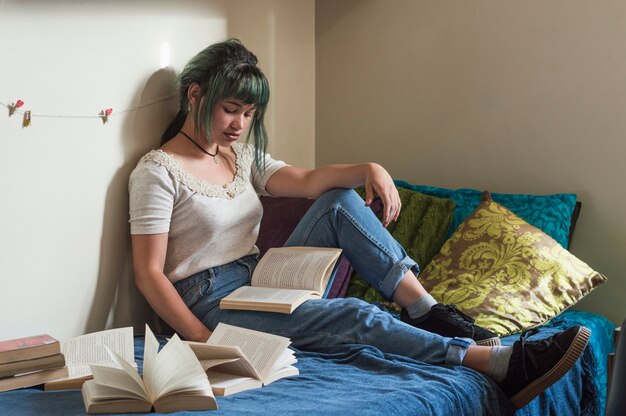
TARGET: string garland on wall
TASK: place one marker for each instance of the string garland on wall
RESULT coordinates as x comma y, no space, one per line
103,115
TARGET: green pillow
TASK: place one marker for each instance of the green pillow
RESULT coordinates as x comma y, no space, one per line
421,229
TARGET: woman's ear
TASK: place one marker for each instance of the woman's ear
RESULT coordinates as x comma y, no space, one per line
193,94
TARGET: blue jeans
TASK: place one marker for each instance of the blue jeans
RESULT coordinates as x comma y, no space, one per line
339,218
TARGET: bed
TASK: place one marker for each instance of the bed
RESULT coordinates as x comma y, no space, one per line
357,379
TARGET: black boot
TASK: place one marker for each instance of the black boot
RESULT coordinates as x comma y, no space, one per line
448,321
536,365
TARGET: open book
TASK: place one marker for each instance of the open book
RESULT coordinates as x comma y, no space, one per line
238,359
88,349
285,278
173,380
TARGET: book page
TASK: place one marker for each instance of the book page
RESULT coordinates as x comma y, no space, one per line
176,368
125,378
150,351
102,392
260,348
295,268
88,349
288,371
287,358
229,383
228,358
268,294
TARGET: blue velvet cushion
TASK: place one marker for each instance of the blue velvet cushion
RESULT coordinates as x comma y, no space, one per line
549,213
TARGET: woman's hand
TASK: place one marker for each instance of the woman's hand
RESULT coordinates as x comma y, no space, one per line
291,181
379,182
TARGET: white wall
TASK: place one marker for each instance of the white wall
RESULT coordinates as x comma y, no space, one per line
65,265
510,96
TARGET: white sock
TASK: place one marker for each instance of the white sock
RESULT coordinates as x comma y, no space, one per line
421,306
499,362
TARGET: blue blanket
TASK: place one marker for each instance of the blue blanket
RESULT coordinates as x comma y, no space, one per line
356,379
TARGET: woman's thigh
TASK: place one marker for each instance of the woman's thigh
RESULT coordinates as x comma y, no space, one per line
203,291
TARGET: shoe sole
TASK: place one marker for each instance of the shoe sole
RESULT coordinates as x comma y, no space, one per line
568,360
489,342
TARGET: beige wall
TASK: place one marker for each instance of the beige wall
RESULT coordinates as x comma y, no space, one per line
65,265
510,96
282,34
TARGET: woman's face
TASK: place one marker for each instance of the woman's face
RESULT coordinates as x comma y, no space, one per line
230,118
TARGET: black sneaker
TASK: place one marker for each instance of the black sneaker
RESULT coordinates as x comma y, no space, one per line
536,365
448,321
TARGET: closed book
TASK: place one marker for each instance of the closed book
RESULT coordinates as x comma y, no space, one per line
33,364
28,347
31,379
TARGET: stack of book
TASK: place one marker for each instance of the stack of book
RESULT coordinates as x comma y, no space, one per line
29,361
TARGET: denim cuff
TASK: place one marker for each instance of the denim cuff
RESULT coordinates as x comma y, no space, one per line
388,285
457,350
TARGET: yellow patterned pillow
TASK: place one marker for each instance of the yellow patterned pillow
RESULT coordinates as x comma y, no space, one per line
506,273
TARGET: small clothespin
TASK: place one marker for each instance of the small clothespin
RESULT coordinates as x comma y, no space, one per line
26,119
15,106
104,115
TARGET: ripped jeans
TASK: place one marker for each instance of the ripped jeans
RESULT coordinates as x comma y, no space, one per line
339,218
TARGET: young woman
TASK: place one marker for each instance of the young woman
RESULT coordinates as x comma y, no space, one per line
195,214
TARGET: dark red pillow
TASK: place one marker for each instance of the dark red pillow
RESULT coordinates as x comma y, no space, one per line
280,217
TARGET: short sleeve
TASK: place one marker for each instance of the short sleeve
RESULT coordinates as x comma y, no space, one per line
260,178
151,199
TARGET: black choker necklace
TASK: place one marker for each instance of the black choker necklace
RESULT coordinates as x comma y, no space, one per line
213,155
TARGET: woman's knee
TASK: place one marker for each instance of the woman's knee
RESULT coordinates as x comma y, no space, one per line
340,197
355,309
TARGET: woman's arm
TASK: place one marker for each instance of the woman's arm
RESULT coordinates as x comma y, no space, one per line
311,183
148,261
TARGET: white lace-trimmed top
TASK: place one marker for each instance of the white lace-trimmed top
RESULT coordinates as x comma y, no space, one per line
208,225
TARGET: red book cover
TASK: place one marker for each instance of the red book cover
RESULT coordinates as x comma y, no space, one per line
26,342
28,347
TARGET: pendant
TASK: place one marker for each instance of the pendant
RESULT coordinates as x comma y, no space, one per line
215,159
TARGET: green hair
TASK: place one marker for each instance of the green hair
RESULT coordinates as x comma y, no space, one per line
224,70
